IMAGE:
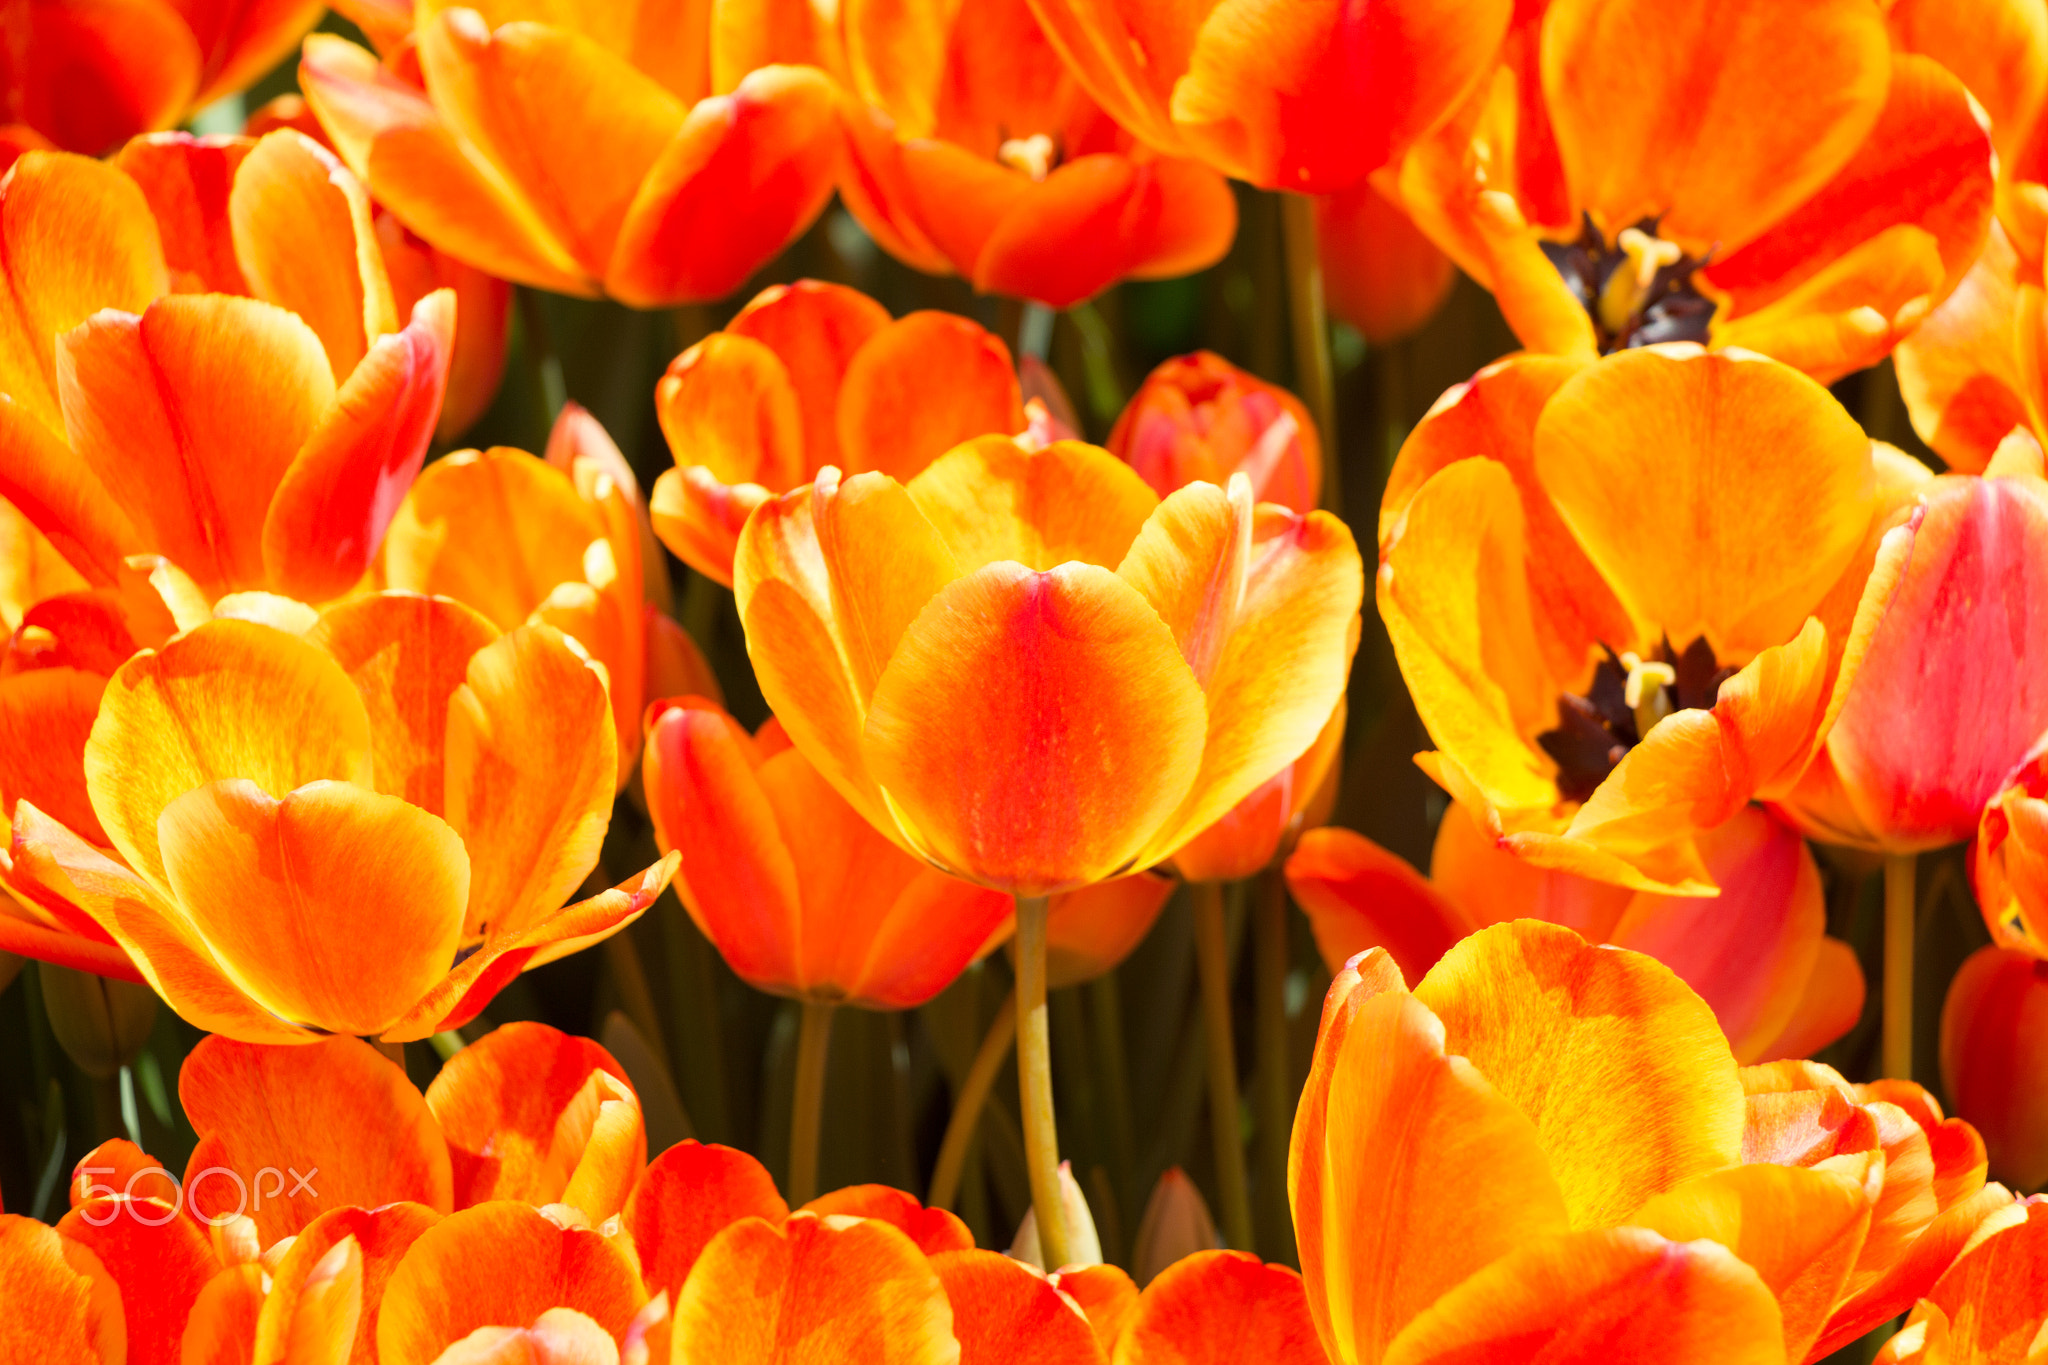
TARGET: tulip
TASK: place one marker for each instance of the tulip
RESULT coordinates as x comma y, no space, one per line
1199,417
1623,1211
972,150
1015,712
1986,1308
2005,859
809,375
87,78
447,785
1175,1224
1771,177
259,436
1618,609
655,167
114,1281
1309,98
1993,1060
1384,275
1756,953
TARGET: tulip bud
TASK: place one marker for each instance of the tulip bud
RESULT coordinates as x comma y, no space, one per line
1084,1246
1176,1224
1200,417
2009,862
101,1023
1994,1059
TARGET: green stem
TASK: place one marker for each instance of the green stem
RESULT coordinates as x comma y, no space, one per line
1212,964
1276,1091
807,1116
1899,928
967,1105
1313,372
1105,1005
1034,1081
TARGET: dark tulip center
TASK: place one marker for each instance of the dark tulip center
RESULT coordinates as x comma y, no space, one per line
1638,289
1595,729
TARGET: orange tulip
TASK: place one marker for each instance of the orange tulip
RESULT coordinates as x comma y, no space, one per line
483,302
1618,608
809,375
1993,1059
114,1281
972,149
260,436
1255,831
1306,97
1008,706
1991,1306
1758,175
1200,417
87,78
1941,697
800,894
1620,1213
1383,274
651,161
1757,953
2006,859
447,785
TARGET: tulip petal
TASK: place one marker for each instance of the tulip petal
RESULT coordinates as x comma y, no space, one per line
1614,1294
690,1194
1992,1058
336,907
187,180
1090,931
1622,1068
1383,274
195,411
1829,1005
1992,1294
1066,238
62,498
382,1236
936,1231
332,506
46,715
1959,371
1004,1310
160,1261
729,405
922,385
336,1104
991,500
78,237
1915,1272
436,1297
222,1327
1073,727
1191,560
1215,1307
841,1290
816,329
1358,895
395,140
1670,472
201,710
1490,883
90,75
63,1303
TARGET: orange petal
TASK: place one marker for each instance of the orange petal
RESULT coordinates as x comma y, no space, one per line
161,1263
436,1297
816,329
331,509
1992,1294
936,1231
699,519
862,1285
743,177
1616,1294
1829,1005
1383,275
195,411
222,1327
1715,124
1008,792
93,75
266,1115
690,1194
204,709
62,499
406,654
46,714
1621,1068
920,386
187,180
1004,1311
1200,417
519,1113
395,140
1724,541
1104,1293
1992,1059
381,1236
1959,371
457,997
729,406
118,1166
1206,1309
1478,872
1358,895
1091,931
991,500
1070,236
64,1304
78,237
530,800
303,236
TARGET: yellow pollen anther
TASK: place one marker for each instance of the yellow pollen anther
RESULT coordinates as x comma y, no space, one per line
1643,693
1032,155
1624,289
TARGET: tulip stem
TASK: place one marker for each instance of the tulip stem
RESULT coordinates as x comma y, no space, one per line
1313,372
1275,1097
1899,929
1034,1081
967,1105
1212,964
807,1115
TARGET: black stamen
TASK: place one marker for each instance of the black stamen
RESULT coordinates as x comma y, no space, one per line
1597,728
